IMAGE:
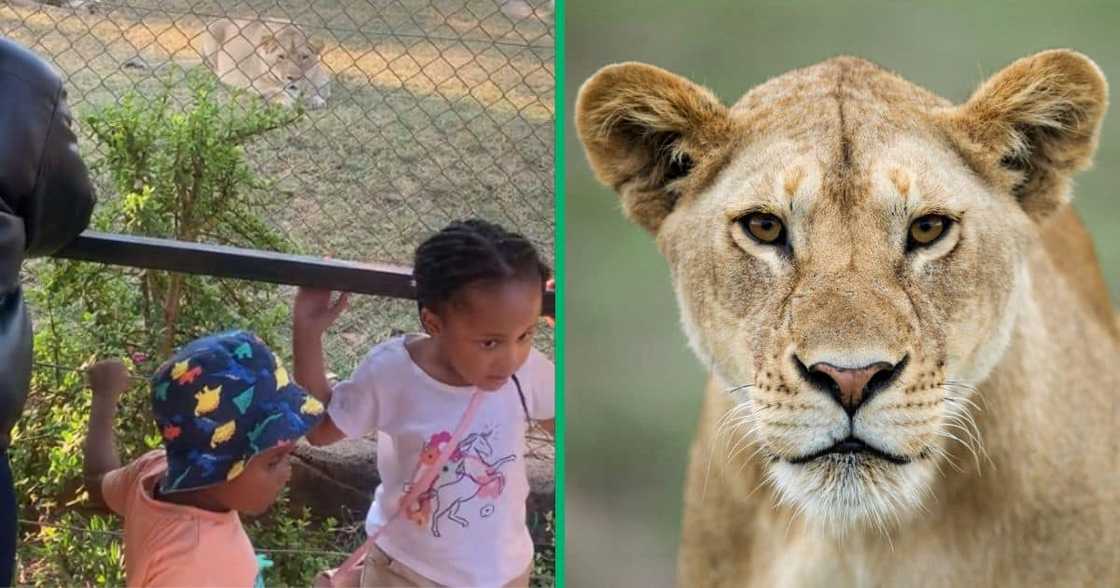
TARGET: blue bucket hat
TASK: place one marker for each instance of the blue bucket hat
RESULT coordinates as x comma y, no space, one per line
221,400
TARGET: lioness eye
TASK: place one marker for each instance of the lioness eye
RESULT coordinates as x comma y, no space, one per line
764,227
927,230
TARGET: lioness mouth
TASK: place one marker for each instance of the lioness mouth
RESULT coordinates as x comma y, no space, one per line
852,445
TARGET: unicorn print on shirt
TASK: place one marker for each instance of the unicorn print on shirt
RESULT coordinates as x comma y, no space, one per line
472,472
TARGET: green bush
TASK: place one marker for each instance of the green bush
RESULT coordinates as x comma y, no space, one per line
301,546
83,549
544,561
178,172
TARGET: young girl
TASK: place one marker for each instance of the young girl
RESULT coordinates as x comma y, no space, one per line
479,289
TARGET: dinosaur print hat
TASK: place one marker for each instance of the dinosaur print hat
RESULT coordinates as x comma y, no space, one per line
221,400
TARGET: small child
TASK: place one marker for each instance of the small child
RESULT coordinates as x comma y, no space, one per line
480,290
229,417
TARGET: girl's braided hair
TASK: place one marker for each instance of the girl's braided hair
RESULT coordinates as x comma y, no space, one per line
469,251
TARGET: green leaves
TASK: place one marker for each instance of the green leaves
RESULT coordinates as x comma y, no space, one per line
177,168
181,168
305,546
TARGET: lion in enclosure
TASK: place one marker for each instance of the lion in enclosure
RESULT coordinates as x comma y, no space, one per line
277,59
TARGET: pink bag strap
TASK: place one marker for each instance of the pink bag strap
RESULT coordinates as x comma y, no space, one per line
420,485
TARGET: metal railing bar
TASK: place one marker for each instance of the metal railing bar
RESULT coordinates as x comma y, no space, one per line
255,265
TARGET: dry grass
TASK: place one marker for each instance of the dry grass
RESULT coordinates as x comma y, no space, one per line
496,77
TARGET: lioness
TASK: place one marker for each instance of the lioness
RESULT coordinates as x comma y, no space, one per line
275,58
915,364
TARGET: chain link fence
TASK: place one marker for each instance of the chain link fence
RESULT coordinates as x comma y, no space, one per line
437,110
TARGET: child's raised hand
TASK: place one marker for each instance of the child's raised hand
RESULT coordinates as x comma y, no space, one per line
314,311
108,379
550,286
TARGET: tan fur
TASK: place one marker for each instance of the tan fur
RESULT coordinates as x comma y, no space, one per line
275,58
901,181
1006,409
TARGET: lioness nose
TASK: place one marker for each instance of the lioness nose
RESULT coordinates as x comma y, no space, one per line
851,387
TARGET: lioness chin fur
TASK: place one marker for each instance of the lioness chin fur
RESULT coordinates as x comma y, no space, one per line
914,359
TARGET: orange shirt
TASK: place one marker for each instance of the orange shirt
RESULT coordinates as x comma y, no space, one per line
169,544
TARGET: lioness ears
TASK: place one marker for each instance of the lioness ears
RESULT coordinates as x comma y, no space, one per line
1034,124
644,131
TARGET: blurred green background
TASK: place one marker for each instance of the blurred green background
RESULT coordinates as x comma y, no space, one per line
633,388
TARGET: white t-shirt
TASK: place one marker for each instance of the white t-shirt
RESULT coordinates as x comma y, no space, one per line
470,529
